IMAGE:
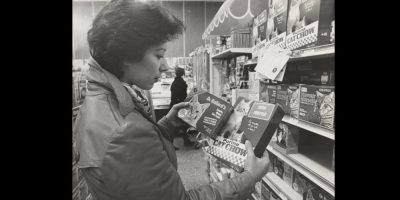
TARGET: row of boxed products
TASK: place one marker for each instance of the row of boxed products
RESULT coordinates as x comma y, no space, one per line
239,38
310,103
295,24
307,189
264,192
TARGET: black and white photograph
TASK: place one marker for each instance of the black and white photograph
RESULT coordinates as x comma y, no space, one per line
156,84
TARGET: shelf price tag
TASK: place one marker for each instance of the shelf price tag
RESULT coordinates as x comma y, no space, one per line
272,62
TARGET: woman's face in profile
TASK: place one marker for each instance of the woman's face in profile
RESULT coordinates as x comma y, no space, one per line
147,71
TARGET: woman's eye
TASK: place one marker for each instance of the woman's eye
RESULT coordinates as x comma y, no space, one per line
159,57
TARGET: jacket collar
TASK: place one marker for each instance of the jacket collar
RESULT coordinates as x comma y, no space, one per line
110,82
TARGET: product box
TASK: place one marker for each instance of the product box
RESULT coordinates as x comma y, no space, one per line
287,174
252,120
317,105
309,23
274,196
207,113
265,192
276,23
294,100
286,139
282,97
278,167
261,27
300,183
316,193
268,92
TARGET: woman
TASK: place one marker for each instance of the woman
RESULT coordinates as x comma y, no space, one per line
124,154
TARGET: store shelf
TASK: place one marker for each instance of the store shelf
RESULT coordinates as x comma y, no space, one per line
313,52
282,189
232,52
252,61
315,172
310,127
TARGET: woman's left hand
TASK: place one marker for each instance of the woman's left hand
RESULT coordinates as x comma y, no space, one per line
172,115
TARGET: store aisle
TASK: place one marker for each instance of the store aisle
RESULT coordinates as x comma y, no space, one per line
192,165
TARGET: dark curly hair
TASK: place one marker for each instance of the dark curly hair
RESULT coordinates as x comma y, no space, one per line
123,30
179,72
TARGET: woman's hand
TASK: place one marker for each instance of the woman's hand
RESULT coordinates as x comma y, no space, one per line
172,115
258,167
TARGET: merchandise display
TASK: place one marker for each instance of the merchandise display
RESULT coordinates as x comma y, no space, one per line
282,97
268,92
276,23
317,105
286,139
294,100
300,183
252,120
265,191
309,23
207,113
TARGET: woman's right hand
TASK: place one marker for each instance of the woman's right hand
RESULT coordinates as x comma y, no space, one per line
258,167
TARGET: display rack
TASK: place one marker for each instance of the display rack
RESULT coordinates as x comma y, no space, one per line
310,127
252,61
232,52
313,53
318,174
283,190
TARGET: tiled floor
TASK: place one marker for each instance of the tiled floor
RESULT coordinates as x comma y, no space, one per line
192,165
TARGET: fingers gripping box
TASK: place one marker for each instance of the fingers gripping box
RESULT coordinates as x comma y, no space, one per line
207,113
251,120
309,23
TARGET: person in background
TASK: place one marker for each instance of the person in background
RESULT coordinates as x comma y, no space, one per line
178,95
123,153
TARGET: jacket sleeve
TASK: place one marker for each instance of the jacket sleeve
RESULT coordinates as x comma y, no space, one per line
136,166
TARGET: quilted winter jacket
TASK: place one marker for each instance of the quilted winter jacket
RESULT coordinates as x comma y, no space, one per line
125,155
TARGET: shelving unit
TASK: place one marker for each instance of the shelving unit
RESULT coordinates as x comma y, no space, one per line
318,174
252,61
232,52
310,127
313,53
283,190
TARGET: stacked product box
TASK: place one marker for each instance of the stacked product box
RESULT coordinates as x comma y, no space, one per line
288,97
314,192
286,139
300,184
283,170
276,23
268,92
265,192
309,23
261,27
317,105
